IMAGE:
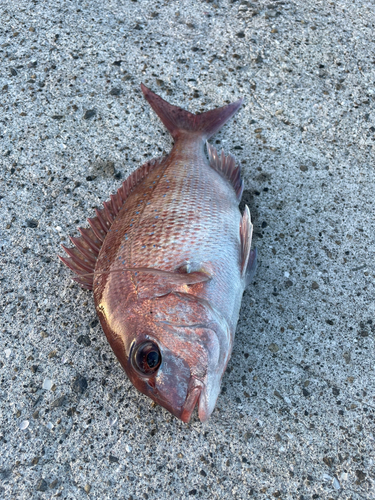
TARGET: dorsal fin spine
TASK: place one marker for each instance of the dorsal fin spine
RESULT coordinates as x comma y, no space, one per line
102,221
72,252
92,222
114,200
91,256
107,211
89,240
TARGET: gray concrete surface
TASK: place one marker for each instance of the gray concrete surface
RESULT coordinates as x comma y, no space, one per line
295,419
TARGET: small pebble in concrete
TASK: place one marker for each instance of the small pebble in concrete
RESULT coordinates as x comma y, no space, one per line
58,402
53,484
33,223
80,384
89,114
84,340
24,425
273,347
336,484
47,384
41,485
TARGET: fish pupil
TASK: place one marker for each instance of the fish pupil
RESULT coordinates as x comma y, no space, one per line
152,359
147,358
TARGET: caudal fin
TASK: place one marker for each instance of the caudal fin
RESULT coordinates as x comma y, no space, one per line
179,121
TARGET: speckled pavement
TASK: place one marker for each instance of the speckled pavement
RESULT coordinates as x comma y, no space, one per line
295,419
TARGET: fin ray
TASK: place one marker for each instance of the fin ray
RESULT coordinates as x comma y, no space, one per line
84,249
246,233
226,166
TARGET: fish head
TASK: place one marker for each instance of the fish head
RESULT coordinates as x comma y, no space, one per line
174,350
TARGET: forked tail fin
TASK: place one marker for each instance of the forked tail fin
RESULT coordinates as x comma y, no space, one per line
178,121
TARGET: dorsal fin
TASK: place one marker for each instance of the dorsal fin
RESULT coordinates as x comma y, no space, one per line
226,166
249,257
82,257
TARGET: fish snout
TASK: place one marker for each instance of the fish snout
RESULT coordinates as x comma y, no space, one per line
201,394
205,390
207,399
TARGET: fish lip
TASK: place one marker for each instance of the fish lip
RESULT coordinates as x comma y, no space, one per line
192,398
204,412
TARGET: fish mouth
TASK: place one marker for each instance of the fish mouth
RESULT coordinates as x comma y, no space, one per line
192,398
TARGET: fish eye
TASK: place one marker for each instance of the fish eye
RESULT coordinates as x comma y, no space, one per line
147,358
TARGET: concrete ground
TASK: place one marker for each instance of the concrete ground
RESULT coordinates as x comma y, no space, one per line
295,419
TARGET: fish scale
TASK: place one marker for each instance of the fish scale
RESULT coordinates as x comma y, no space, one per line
170,258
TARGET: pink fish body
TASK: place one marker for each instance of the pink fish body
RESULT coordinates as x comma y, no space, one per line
168,259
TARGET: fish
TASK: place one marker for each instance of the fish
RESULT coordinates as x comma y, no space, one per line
168,258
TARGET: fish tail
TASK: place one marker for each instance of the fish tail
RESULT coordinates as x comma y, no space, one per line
178,121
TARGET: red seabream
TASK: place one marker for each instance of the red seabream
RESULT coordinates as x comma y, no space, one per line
168,258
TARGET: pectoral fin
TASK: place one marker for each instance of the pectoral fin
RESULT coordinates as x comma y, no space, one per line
151,283
176,278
